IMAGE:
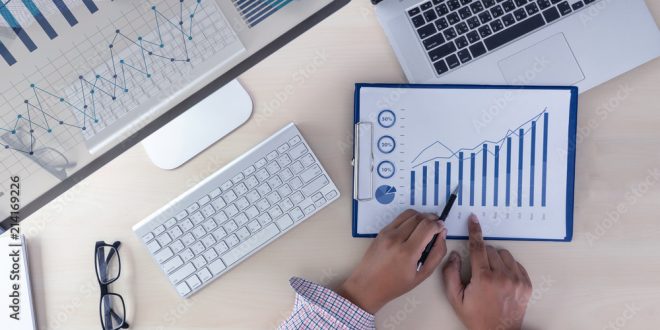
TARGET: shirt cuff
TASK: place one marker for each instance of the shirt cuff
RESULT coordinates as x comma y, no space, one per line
326,301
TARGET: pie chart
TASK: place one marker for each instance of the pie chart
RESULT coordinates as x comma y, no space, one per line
385,194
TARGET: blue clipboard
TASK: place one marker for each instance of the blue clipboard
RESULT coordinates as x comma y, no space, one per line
571,148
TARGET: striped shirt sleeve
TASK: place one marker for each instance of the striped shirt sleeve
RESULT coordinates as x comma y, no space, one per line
317,307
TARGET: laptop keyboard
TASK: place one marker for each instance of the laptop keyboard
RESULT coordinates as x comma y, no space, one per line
454,32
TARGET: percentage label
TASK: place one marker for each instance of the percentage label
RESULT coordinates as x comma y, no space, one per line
386,144
386,118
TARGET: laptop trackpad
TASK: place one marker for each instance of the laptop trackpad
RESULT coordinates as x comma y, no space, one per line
549,62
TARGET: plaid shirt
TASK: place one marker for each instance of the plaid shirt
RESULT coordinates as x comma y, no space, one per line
317,307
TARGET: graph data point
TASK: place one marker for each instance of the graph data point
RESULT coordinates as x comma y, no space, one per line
85,106
114,76
80,77
148,76
188,60
91,92
199,1
126,90
6,147
110,46
153,7
61,122
32,85
117,31
61,100
162,46
19,116
31,131
192,15
114,98
171,60
180,22
84,128
96,120
31,153
121,61
50,130
26,101
150,53
13,132
189,38
98,76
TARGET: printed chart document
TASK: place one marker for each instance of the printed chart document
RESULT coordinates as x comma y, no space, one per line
510,151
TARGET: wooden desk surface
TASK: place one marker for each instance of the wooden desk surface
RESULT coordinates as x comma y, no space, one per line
608,277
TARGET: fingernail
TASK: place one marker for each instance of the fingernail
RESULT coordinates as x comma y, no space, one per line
473,218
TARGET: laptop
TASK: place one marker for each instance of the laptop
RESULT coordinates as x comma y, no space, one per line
82,81
531,42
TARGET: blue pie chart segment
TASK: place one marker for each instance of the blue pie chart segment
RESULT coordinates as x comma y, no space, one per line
385,194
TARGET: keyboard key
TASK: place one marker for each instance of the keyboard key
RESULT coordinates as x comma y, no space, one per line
297,167
509,20
497,11
262,175
315,185
551,14
231,210
220,218
426,31
225,186
182,289
208,241
488,3
251,182
175,232
453,18
430,15
148,237
473,36
208,211
221,248
260,163
577,5
532,9
197,247
230,226
309,209
520,3
210,254
264,219
426,5
217,267
193,282
464,56
159,230
215,193
219,234
442,51
310,173
508,6
187,255
476,7
177,246
263,205
163,255
275,212
298,151
169,223
229,196
252,212
452,61
485,31
271,155
243,233
297,214
241,219
473,22
242,203
464,12
485,17
477,49
253,196
199,262
284,222
442,9
173,264
197,218
461,42
188,239
238,178
514,32
273,168
249,170
232,240
331,195
319,203
286,205
204,200
543,4
250,244
218,203
192,208
274,182
240,189
204,275
294,140
297,197
254,226
164,239
413,11
273,197
307,160
496,26
441,23
520,14
461,28
181,215
453,4
431,43
564,8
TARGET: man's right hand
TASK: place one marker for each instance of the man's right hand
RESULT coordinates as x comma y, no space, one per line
496,296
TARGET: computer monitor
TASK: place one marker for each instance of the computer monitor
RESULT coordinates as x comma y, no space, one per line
83,81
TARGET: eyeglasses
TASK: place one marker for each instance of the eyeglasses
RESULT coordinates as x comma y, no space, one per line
108,268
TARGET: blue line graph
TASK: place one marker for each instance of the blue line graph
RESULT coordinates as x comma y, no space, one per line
111,86
491,174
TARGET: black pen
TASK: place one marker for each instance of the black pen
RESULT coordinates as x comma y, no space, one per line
443,216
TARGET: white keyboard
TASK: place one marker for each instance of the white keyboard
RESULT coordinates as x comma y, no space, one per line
237,210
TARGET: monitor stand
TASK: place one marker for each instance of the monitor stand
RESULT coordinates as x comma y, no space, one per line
199,127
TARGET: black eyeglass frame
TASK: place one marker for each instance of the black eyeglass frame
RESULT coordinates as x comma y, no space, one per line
104,286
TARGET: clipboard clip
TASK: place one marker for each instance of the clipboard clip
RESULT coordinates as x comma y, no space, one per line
363,161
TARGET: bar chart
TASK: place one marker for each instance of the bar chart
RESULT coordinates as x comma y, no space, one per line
499,173
35,9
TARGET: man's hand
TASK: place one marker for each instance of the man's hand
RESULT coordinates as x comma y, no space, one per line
497,295
388,269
